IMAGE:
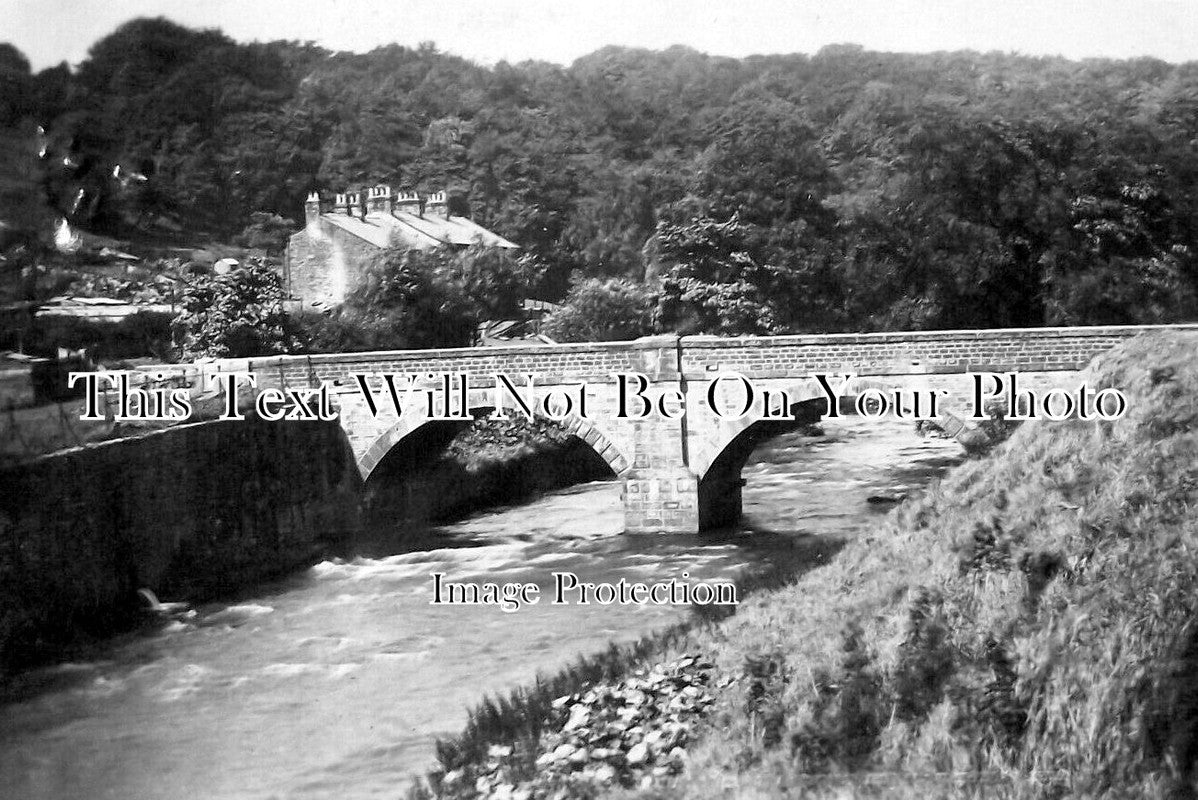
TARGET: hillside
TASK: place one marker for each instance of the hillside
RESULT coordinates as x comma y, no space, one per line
1031,624
845,190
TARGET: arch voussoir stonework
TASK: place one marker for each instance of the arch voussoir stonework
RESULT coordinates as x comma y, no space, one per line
383,444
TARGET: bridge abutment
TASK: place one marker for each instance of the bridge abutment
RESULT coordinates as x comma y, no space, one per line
666,500
661,500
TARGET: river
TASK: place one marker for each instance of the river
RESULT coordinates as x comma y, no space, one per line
337,681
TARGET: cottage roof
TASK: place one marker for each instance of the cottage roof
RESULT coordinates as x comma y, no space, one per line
381,228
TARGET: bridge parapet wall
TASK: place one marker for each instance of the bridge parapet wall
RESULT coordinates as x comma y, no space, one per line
551,364
668,358
906,353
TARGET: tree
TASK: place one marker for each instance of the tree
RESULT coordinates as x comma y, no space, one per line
765,165
16,85
871,190
598,310
411,299
1124,264
235,315
494,280
712,284
267,231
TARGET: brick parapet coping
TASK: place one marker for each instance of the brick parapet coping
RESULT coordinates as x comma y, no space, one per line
1091,339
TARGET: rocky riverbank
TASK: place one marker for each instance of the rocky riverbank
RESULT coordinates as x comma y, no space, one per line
624,733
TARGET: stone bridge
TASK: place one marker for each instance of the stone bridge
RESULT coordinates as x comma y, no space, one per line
681,471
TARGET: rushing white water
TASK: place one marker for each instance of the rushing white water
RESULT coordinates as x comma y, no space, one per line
336,682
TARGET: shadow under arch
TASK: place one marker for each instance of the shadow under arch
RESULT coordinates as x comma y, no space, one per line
479,404
416,482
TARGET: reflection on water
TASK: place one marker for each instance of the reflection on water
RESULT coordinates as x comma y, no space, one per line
338,680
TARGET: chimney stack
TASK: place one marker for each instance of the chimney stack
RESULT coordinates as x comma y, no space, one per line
379,199
436,205
347,202
408,202
312,209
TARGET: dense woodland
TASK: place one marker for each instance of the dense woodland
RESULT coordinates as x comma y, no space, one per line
849,190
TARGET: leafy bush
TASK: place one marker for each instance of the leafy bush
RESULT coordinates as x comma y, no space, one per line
235,315
267,231
599,310
145,333
412,299
711,282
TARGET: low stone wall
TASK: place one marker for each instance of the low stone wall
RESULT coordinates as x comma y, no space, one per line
193,511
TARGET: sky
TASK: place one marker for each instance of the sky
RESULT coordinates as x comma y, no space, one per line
487,31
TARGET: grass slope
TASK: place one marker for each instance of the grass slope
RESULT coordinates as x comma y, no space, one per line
1025,630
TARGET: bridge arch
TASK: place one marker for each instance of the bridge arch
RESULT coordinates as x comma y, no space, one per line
734,440
719,465
481,401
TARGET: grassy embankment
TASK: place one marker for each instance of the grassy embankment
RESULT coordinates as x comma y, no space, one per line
1026,629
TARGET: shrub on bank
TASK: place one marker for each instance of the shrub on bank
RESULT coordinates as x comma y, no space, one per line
145,333
599,310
